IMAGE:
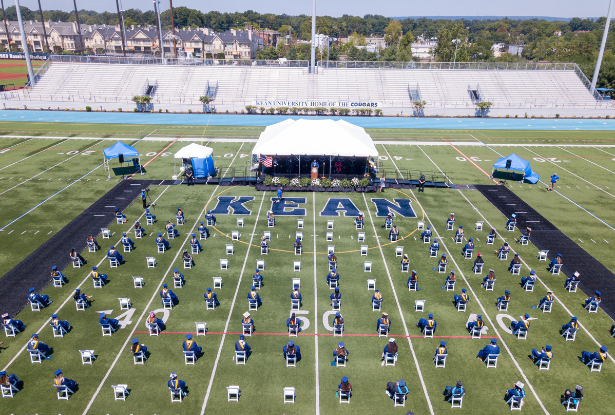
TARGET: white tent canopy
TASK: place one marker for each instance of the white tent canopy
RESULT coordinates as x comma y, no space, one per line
311,137
194,151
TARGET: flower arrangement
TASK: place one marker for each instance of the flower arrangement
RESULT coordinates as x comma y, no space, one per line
295,182
354,182
275,180
316,182
336,183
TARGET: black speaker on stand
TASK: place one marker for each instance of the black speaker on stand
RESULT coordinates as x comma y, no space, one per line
508,162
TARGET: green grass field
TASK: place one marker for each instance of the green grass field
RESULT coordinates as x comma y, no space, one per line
59,160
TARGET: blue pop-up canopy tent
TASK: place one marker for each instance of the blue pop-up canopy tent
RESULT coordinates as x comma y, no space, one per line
116,150
514,164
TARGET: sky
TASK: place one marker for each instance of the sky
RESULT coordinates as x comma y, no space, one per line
389,8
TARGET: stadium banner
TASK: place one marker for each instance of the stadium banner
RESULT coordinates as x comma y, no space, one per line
315,103
21,56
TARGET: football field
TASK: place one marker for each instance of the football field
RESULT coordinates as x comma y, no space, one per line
51,173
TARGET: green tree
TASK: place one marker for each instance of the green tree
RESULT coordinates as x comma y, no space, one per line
392,33
194,19
406,41
280,48
480,51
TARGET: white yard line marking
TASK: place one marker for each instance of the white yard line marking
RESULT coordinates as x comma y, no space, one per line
589,161
70,297
401,314
230,314
46,170
604,151
316,308
145,310
568,171
38,152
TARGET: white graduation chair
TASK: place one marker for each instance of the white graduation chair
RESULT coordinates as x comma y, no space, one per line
295,304
371,284
127,247
120,392
201,329
139,358
594,365
456,401
364,250
503,255
151,261
329,224
224,264
376,305
361,237
478,226
77,263
240,222
546,306
63,392
235,235
138,282
267,235
124,303
36,305
240,357
330,249
299,223
450,285
542,255
476,333
569,334
230,250
176,395
461,307
299,235
428,332
399,399
87,357
420,225
440,360
107,330
441,268
367,266
291,361
7,391
468,253
58,331
489,284
390,359
36,356
217,282
296,283
516,269
106,233
419,306
556,269
492,360
113,262
260,264
289,395
478,268
329,236
154,330
515,402
383,330
189,357
543,364
233,393
399,251
297,265
58,281
92,247
412,285
161,247
433,252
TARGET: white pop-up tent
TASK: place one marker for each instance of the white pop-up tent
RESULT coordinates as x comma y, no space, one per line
201,158
309,137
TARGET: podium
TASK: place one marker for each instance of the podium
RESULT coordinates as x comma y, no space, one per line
314,173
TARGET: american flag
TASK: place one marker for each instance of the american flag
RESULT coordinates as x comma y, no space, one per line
266,161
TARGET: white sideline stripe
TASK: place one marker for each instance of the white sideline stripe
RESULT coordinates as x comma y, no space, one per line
476,297
401,314
70,296
19,161
480,144
316,308
230,314
568,171
528,267
145,310
589,161
604,151
46,170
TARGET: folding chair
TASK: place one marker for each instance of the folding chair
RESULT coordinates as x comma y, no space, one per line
291,361
233,393
149,220
371,284
138,282
569,334
441,268
428,332
36,356
92,247
330,249
120,392
390,359
178,282
127,247
336,304
81,305
63,392
376,305
151,261
202,235
358,225
240,222
295,304
529,287
58,281
267,235
461,307
289,395
433,252
572,405
154,330
524,239
399,399
167,304
299,223
340,361
503,255
405,267
426,239
201,329
468,253
542,255
503,306
456,401
36,305
107,330
440,360
176,395
171,234
412,285
293,330
106,233
7,391
299,235
489,284
77,263
458,238
298,250
189,358
338,330
296,283
58,331
138,233
333,284
419,306
592,307
450,285
235,235
420,225
252,305
10,331
113,262
120,220
139,358
217,282
161,248
515,402
97,282
478,226
383,330
210,222
332,264
546,306
87,357
399,251
194,248
364,250
260,264
521,334
476,333
543,364
490,239
516,269
224,264
297,265
478,268
230,250
388,225
510,227
572,286
329,236
240,357
329,224
492,360
247,329
361,237
594,365
210,304
556,269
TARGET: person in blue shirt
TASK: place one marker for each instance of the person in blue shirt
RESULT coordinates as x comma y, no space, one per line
194,241
190,345
149,216
9,322
298,245
468,246
125,240
456,391
388,222
139,229
257,277
166,294
600,356
526,235
341,351
296,295
478,324
60,380
170,228
377,298
333,276
253,296
177,384
390,348
463,298
405,262
524,323
359,220
293,322
503,250
338,322
242,346
504,298
544,354
210,217
450,221
119,214
427,323
115,324
332,260
512,220
178,275
435,246
97,275
554,180
491,348
594,300
203,229
43,299
161,240
56,322
517,392
79,296
531,279
442,260
143,198
336,297
34,344
211,296
515,261
153,319
291,349
574,279
383,321
459,233
573,325
412,279
399,388
556,261
10,380
112,253
315,164
426,234
279,194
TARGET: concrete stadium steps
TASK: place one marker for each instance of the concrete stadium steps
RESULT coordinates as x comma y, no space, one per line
244,84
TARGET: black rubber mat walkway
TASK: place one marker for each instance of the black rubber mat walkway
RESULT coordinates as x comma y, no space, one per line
35,269
594,275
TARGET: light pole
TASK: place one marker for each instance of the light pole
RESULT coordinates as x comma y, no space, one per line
157,11
313,49
456,42
124,29
599,61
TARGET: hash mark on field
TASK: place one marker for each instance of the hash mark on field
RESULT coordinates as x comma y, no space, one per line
49,232
10,232
581,241
606,241
593,241
36,232
23,232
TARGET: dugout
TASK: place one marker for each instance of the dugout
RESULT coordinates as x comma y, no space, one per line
341,149
121,152
513,167
200,158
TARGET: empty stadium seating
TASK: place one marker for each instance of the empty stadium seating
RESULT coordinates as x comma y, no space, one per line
241,85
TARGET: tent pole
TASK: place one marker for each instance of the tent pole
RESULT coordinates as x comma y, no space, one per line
299,165
329,167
